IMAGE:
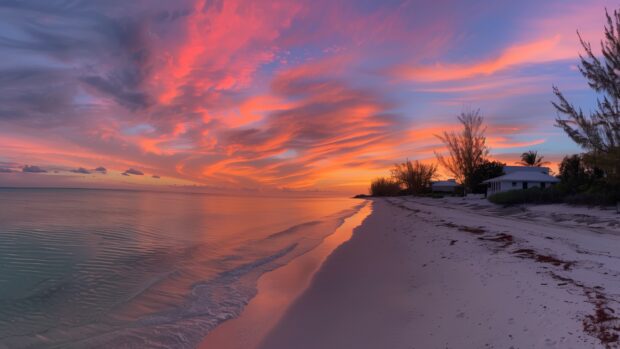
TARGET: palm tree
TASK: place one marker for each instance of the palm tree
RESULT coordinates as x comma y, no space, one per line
532,159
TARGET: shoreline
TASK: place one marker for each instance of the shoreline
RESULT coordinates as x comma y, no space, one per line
451,273
277,289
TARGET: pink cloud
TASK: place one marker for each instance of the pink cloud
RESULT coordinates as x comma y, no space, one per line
275,93
544,39
532,52
222,46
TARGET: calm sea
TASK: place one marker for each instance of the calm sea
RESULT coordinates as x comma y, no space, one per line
114,269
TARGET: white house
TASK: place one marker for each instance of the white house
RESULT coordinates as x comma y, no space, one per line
448,186
520,177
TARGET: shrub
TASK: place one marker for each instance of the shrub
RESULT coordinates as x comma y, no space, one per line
577,175
484,171
415,177
434,195
384,187
598,195
602,195
533,195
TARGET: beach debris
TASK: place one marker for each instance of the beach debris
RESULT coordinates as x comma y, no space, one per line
505,239
531,254
465,228
603,324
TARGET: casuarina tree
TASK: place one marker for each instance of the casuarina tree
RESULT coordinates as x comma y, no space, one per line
598,132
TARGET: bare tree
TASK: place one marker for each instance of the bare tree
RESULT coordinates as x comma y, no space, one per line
598,132
532,159
467,149
416,176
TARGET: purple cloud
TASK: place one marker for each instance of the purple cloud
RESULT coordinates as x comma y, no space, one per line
81,170
132,171
33,169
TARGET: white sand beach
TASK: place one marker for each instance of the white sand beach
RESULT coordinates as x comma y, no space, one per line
453,273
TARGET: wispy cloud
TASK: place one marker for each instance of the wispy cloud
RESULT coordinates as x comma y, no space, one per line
273,94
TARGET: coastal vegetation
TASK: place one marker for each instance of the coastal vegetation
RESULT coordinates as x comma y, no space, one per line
407,178
467,160
384,187
415,177
580,183
486,170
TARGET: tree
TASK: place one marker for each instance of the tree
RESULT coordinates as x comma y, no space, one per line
416,176
384,187
572,170
532,159
598,132
466,149
484,171
576,175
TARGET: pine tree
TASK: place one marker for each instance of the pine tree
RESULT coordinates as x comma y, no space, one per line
599,132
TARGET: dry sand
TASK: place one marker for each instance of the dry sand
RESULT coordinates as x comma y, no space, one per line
454,273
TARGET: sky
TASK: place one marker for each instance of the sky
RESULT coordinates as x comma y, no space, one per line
276,96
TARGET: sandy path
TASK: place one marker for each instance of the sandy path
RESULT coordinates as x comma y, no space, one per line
442,274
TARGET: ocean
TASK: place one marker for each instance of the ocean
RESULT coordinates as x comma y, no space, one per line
117,268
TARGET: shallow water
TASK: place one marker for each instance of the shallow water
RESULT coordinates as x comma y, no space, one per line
105,268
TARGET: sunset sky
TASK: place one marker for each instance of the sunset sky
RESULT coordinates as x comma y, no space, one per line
319,95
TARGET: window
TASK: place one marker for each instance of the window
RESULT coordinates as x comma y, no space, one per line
514,184
542,185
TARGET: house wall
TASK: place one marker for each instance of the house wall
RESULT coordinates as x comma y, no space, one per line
498,187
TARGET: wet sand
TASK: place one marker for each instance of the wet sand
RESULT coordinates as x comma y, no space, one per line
276,292
424,273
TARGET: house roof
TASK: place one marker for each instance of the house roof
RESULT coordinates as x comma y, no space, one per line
513,169
451,183
524,176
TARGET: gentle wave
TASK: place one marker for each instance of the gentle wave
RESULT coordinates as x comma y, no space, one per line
125,281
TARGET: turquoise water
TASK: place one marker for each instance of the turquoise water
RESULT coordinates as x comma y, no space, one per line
106,268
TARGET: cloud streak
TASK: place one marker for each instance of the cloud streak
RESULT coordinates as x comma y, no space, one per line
81,170
132,171
272,95
33,169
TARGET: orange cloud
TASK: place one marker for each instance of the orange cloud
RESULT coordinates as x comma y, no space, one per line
506,143
538,51
275,93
